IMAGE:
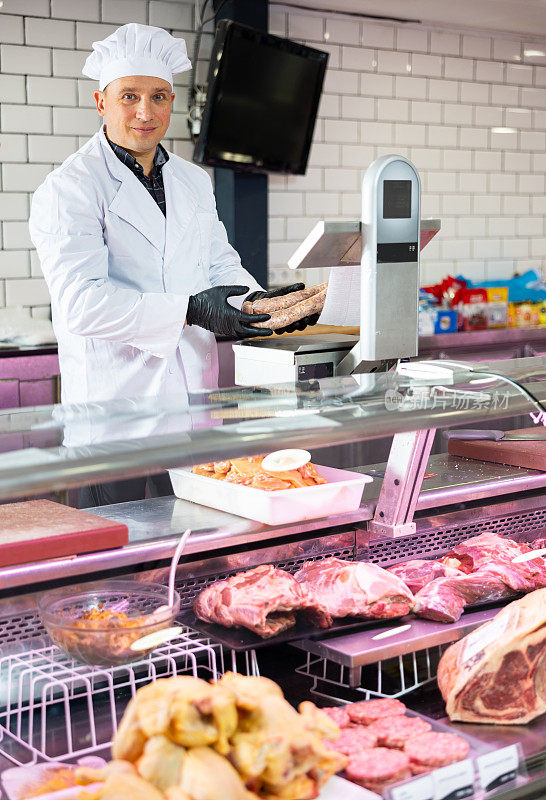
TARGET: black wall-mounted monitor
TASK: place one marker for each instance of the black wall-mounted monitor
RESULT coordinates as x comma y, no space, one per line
262,100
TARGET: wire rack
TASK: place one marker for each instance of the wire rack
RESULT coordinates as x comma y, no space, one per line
393,677
54,708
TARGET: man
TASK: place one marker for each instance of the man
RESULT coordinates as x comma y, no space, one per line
138,265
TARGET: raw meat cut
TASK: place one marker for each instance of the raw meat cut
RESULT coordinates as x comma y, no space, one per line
538,544
368,711
263,599
418,573
339,715
497,674
432,750
353,589
352,740
250,472
378,767
480,550
268,304
396,731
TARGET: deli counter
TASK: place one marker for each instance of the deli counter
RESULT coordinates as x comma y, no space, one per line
415,506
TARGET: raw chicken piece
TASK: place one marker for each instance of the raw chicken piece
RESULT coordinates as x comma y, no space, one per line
129,740
250,690
208,776
124,786
161,763
87,775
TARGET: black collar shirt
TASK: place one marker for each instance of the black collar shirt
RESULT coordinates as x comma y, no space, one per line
154,184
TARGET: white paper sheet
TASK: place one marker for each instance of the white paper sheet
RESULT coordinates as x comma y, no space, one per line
342,306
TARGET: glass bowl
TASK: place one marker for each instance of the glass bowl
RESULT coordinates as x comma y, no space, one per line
98,625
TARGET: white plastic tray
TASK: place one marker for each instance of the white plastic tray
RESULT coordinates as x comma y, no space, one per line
342,493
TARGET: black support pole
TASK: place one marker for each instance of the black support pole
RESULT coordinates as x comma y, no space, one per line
241,197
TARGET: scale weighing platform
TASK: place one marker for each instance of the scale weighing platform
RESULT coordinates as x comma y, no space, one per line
386,243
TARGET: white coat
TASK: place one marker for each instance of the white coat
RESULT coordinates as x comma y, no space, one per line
120,275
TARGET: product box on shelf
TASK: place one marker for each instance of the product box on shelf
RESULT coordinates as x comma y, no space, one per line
472,309
497,306
446,321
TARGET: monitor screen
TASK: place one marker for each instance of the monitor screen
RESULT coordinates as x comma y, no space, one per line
262,100
396,199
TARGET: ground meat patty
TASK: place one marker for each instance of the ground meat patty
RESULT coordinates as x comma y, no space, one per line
433,750
395,731
378,767
352,740
368,711
339,715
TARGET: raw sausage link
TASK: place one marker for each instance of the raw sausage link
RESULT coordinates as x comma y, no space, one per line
280,319
268,305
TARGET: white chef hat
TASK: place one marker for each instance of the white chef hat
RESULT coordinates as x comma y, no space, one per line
136,49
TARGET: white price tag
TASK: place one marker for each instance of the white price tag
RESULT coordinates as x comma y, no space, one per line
454,782
417,789
499,767
479,639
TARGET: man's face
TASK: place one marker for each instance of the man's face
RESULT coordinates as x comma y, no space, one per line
137,112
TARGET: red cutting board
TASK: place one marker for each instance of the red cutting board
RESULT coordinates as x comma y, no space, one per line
40,529
530,454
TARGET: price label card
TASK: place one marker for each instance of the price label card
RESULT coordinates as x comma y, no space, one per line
499,767
454,782
417,789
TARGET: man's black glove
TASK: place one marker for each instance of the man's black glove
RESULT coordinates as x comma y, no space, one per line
209,309
295,326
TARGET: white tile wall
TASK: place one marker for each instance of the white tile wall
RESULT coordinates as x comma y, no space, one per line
432,95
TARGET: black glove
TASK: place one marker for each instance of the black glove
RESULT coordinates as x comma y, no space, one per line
295,326
209,309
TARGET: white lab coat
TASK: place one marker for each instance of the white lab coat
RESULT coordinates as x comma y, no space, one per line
120,275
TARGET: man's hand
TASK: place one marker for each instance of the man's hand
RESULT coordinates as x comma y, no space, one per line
295,287
209,309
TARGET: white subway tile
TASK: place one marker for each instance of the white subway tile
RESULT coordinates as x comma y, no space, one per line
11,29
393,62
337,81
431,207
474,92
341,180
411,87
26,292
23,177
455,248
520,74
51,149
473,137
473,182
351,204
13,206
539,119
358,58
445,43
442,136
12,88
358,157
297,228
507,49
486,248
69,63
457,159
540,76
504,95
52,91
377,85
455,204
476,46
178,127
309,27
285,204
357,107
16,235
312,181
504,141
520,204
428,66
533,97
538,247
325,155
386,150
377,35
529,226
73,121
322,205
49,32
377,133
393,110
411,134
121,11
412,40
89,32
531,183
35,266
538,205
446,91
343,31
334,53
492,71
86,90
277,22
458,114
41,312
489,161
459,68
518,162
31,119
14,147
276,229
426,158
426,111
472,226
502,182
442,181
14,263
517,248
84,10
27,60
280,252
488,115
183,149
502,226
340,130
167,15
33,8
533,140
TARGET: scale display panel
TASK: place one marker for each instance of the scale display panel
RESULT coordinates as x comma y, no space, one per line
396,199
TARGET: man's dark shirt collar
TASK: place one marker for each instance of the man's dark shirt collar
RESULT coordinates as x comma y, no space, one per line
154,183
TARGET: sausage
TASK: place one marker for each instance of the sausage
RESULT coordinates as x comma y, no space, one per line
286,316
268,305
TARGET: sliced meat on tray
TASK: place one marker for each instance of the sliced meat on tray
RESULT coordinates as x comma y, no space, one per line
338,714
354,589
433,750
378,767
418,573
396,731
368,711
263,599
352,740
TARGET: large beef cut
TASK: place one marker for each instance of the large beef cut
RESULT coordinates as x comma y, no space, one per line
353,589
263,599
418,573
497,674
479,551
445,599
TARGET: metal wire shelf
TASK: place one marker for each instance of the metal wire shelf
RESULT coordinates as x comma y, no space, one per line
54,708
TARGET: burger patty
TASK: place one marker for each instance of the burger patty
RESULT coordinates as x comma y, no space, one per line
368,711
352,740
396,731
432,750
339,715
378,767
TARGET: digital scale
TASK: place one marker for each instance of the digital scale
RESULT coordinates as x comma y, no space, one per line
386,243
